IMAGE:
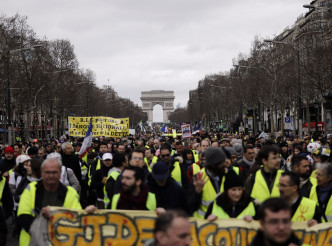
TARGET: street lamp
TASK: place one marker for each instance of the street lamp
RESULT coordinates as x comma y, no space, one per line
11,52
300,114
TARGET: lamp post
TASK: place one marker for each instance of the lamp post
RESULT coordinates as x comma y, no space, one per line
7,55
300,113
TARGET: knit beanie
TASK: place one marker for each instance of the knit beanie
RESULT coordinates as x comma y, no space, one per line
238,149
232,180
9,150
214,156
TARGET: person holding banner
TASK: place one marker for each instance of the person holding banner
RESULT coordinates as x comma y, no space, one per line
234,202
208,182
302,208
275,224
40,194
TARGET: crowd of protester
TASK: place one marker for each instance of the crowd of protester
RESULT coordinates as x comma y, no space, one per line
209,176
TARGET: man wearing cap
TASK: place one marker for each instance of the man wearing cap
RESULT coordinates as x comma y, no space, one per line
99,178
119,162
225,142
169,194
208,182
8,163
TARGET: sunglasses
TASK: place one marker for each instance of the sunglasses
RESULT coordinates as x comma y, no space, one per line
166,155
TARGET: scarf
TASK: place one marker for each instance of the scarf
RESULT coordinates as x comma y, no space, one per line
129,202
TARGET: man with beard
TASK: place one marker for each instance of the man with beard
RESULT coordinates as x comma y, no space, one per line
134,194
301,167
275,224
208,182
302,208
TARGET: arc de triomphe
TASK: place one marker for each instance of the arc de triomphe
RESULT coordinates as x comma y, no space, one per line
164,98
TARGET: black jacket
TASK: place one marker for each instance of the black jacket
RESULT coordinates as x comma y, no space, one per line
73,162
170,196
96,182
235,210
6,165
7,199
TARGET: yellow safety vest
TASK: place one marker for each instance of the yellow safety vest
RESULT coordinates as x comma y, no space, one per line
208,196
221,214
114,175
305,211
154,160
2,187
313,174
260,191
89,173
196,156
196,168
151,202
328,210
176,173
27,206
236,170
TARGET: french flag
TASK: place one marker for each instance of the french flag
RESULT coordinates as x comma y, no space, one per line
87,141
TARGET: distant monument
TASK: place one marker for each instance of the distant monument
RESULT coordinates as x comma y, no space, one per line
164,98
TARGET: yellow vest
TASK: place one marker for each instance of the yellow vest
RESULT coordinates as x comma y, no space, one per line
196,156
208,195
305,211
176,173
328,210
151,202
154,160
27,206
2,187
89,173
221,214
114,175
260,191
313,174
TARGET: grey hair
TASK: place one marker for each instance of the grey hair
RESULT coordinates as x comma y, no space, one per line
57,160
63,146
326,168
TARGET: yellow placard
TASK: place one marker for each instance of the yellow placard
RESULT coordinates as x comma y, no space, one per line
102,126
119,227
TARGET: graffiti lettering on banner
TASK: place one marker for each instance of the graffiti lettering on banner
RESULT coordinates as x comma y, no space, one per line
102,126
110,227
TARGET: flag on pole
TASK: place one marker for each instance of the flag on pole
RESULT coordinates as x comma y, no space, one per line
87,141
142,127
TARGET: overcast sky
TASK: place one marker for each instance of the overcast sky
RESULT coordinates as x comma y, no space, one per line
140,45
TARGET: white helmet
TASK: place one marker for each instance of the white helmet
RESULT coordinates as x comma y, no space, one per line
54,155
22,158
312,147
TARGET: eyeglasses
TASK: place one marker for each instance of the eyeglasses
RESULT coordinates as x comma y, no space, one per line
166,155
137,158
